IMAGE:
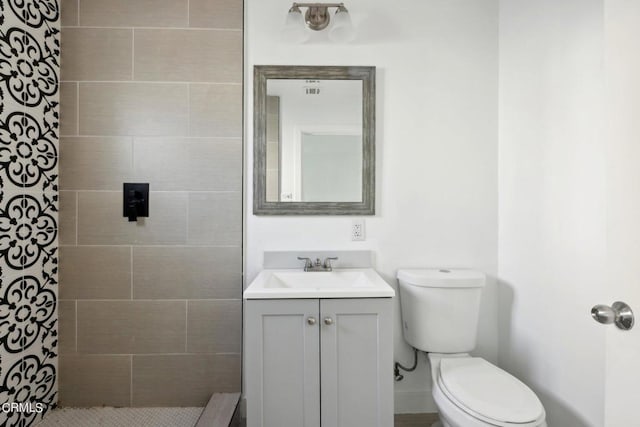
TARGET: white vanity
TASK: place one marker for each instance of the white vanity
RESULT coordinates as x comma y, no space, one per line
319,349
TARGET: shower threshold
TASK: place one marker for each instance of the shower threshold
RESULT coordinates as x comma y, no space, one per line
221,411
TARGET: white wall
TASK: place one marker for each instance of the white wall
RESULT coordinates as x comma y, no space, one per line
552,219
436,143
622,68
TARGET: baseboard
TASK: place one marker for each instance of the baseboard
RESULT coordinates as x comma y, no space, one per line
414,402
243,406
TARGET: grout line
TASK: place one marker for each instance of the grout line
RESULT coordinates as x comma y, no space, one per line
77,108
77,214
173,353
165,354
184,139
125,27
186,324
164,138
132,169
131,380
187,212
189,109
178,246
76,325
153,299
174,192
78,8
133,51
176,82
188,13
155,137
131,269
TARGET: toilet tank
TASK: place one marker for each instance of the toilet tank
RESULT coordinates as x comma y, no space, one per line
440,308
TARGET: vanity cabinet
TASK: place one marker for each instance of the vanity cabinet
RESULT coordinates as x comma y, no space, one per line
319,362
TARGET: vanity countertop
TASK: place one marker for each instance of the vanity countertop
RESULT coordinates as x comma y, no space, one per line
339,283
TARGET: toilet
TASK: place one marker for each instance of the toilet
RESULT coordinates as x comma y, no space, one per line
440,311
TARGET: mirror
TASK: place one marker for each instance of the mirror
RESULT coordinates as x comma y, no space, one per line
314,149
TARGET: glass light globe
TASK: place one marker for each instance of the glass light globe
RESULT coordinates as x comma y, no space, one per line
342,29
294,30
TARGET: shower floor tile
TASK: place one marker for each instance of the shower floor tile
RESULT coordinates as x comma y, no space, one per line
121,417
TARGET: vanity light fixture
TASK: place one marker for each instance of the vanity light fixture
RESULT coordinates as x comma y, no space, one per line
318,17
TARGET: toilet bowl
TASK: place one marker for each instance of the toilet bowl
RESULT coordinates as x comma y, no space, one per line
440,310
471,392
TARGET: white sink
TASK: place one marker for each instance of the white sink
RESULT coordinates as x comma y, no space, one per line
339,283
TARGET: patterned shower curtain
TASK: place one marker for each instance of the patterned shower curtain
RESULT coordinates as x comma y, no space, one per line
29,123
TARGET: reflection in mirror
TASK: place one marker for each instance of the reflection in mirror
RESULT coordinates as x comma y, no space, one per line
331,167
273,148
314,140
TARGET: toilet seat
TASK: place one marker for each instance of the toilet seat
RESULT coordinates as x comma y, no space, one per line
488,393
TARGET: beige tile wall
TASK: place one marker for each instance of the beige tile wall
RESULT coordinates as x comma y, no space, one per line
150,312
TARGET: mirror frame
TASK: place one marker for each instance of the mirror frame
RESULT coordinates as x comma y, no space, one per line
262,73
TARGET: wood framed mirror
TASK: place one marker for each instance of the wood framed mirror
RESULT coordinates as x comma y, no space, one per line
314,140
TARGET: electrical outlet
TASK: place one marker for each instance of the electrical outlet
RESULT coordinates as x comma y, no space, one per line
357,230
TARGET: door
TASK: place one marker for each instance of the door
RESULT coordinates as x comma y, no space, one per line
282,351
356,362
331,167
622,70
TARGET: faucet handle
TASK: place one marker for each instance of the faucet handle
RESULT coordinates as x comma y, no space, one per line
307,262
327,261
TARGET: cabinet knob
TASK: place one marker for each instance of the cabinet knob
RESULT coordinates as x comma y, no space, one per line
328,321
311,320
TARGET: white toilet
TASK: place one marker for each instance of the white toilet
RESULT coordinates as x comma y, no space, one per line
440,311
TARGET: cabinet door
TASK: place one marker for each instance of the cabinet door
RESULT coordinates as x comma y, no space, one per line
282,363
356,362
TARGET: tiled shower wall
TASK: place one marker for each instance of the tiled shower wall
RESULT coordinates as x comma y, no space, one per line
150,312
29,70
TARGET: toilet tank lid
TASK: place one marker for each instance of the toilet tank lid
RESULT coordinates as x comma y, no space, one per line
442,278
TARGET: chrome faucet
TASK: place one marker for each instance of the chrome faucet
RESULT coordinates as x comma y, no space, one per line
309,265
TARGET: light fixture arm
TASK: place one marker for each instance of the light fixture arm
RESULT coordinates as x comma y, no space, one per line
318,4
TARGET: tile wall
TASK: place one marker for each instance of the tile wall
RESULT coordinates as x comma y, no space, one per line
29,125
150,312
